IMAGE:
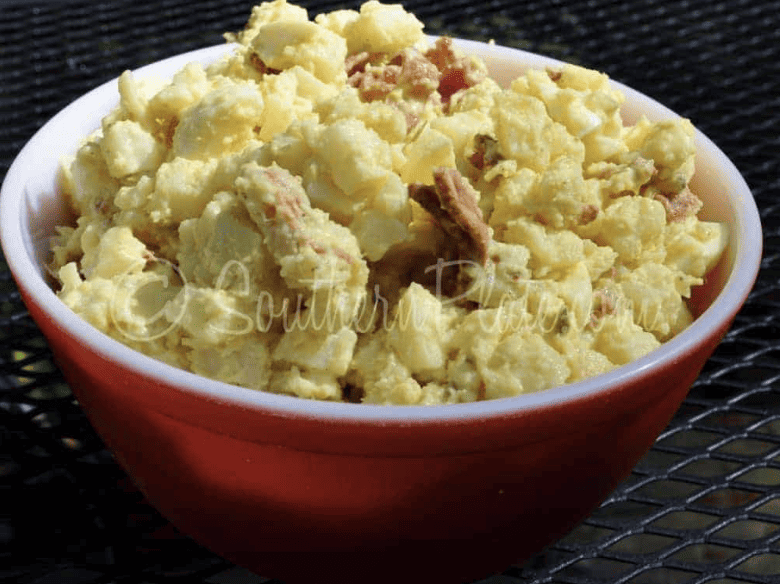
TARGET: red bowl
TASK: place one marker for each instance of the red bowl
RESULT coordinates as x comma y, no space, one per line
302,490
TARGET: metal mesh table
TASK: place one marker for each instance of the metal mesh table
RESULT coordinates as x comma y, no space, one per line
702,506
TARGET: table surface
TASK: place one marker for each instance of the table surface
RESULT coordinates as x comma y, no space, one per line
702,506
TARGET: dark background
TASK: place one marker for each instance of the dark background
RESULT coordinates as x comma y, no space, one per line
702,506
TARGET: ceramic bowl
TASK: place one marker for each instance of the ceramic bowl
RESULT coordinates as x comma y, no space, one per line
311,491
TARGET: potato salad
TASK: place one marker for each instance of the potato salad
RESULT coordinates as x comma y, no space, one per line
344,209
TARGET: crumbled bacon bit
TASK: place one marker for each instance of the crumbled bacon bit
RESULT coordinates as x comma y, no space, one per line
605,305
357,63
376,83
440,68
289,207
481,391
442,54
258,64
606,173
554,74
588,214
418,73
541,219
168,131
288,197
317,247
485,152
457,71
452,201
320,249
680,205
408,68
342,255
411,118
645,164
451,82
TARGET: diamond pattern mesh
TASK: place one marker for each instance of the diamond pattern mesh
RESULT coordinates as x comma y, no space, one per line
702,506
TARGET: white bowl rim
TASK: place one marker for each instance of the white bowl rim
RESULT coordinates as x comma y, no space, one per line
27,273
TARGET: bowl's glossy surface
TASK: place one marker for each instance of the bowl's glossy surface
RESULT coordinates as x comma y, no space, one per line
323,491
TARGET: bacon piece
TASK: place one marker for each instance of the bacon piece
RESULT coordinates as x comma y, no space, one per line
258,64
485,152
168,131
289,198
554,74
452,201
357,63
278,203
680,205
410,116
644,166
438,68
408,69
376,83
481,391
418,74
588,214
457,71
603,303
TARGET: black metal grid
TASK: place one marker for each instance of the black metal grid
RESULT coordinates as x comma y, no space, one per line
702,506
